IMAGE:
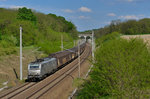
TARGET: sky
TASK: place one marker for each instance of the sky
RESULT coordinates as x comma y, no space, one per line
87,14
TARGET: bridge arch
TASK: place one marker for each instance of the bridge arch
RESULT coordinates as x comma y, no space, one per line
88,37
82,37
85,36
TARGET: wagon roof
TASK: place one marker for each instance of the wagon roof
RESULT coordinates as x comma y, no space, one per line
66,52
60,54
37,61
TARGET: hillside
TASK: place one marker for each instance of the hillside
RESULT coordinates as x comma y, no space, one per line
38,30
41,36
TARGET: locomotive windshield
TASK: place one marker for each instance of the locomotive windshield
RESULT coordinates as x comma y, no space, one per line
34,66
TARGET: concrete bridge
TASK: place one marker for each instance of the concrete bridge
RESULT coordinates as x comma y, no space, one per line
85,36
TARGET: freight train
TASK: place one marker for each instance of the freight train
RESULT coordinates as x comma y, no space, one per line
41,68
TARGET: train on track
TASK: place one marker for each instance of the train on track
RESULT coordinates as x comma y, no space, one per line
41,68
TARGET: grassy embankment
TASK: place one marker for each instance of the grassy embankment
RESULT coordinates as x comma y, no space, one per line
39,31
121,70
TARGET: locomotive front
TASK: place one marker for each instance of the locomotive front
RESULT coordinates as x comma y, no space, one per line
34,71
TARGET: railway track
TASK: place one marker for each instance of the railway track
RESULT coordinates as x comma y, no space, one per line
14,91
37,90
49,86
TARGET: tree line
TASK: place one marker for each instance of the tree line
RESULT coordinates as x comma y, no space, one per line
129,27
38,29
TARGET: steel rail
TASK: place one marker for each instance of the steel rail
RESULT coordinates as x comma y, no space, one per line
72,69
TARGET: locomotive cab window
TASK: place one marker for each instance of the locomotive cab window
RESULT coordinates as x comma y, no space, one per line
34,67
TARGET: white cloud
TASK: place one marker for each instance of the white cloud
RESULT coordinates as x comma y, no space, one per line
3,0
83,17
80,17
127,0
131,0
67,10
107,23
111,14
11,6
85,9
128,17
141,15
16,7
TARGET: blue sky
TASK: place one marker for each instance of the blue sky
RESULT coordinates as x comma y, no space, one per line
87,14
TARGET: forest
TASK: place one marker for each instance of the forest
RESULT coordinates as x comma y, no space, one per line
129,27
39,30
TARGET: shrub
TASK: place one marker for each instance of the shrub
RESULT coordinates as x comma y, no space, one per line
6,48
10,38
107,37
49,47
121,70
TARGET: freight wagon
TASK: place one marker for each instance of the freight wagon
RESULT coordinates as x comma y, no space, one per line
41,68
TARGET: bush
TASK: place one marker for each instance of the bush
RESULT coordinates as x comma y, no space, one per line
107,37
9,38
49,47
121,70
7,48
53,46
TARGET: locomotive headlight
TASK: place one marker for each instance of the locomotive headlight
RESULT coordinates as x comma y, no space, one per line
38,72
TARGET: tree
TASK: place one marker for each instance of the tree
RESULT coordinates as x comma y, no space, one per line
26,14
